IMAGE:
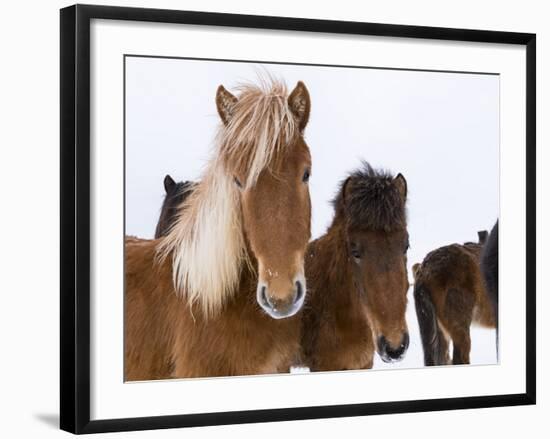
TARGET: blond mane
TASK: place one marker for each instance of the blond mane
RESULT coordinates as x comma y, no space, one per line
261,126
207,242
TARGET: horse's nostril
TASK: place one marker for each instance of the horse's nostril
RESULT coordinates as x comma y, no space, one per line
397,353
406,341
382,344
263,295
299,291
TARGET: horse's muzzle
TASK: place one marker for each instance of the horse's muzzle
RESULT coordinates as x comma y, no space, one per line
281,308
389,353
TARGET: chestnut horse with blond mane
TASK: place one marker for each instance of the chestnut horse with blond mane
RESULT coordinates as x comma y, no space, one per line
218,295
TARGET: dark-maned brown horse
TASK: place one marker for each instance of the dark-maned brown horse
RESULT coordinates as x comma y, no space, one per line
489,268
218,295
450,295
176,193
357,277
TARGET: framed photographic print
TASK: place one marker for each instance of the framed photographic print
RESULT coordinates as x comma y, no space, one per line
259,214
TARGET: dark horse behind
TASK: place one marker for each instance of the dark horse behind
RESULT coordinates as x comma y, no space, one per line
489,268
176,193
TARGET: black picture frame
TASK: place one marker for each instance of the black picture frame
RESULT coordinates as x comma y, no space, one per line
75,217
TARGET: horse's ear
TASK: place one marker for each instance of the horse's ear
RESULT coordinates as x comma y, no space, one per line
401,184
346,190
300,104
416,270
169,183
482,236
225,102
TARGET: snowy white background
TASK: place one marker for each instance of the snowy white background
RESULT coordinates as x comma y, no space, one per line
440,130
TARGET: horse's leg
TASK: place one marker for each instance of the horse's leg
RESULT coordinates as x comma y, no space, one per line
459,308
443,348
461,346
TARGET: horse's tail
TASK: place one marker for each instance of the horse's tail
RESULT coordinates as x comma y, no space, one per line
430,333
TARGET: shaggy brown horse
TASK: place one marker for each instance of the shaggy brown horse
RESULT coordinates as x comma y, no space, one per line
450,295
176,193
218,295
357,277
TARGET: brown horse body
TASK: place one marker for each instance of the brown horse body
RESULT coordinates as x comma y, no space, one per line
357,277
218,295
166,337
449,296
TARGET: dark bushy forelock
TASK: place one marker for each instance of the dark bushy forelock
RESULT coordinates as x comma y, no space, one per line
370,199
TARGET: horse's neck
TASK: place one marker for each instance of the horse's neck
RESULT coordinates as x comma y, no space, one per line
330,284
206,243
333,269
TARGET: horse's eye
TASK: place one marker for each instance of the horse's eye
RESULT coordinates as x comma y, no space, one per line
307,174
355,251
407,246
238,183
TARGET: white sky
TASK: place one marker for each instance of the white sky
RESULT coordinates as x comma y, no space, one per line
440,130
